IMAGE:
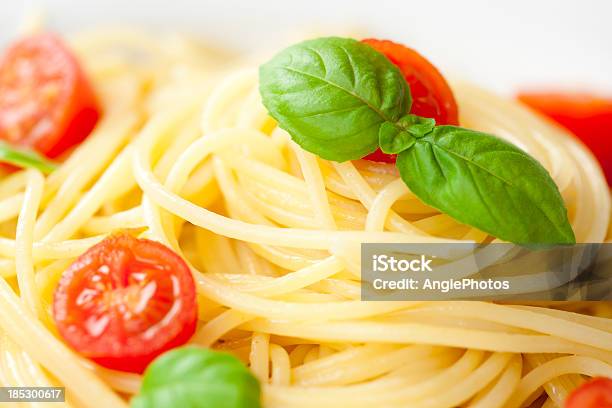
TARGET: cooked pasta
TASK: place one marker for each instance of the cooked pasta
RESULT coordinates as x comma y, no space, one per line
186,154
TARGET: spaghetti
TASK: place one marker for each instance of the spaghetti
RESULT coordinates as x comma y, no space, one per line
189,155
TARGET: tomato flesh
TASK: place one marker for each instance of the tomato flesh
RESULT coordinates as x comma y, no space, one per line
432,97
46,100
589,117
596,393
125,301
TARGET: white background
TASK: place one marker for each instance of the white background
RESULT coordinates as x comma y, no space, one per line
504,45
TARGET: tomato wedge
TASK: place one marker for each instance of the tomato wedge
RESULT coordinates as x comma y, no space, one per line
125,301
596,393
46,101
589,117
432,97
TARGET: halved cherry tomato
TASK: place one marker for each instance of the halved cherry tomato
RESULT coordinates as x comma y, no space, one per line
589,117
596,393
46,101
432,97
125,301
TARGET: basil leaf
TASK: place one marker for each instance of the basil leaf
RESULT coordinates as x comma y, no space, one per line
195,377
25,158
332,94
395,138
487,183
417,126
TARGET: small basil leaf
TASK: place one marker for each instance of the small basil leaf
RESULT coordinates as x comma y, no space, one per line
393,140
487,183
417,126
196,377
25,158
332,94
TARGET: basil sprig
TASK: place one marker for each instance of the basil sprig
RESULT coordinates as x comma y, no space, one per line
341,99
25,158
197,377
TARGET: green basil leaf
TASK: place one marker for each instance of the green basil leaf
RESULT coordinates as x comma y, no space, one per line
487,183
332,94
194,377
417,126
25,158
393,140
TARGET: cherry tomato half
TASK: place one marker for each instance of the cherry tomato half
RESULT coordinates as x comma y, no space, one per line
125,301
596,393
46,101
589,117
432,97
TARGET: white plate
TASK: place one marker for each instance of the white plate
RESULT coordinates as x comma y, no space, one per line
501,44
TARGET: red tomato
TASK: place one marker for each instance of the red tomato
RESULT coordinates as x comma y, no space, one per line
125,301
431,94
596,393
589,117
46,102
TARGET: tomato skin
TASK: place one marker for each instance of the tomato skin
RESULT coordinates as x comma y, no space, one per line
589,117
46,100
125,301
596,393
432,97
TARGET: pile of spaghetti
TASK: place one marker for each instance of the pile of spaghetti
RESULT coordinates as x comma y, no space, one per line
185,154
